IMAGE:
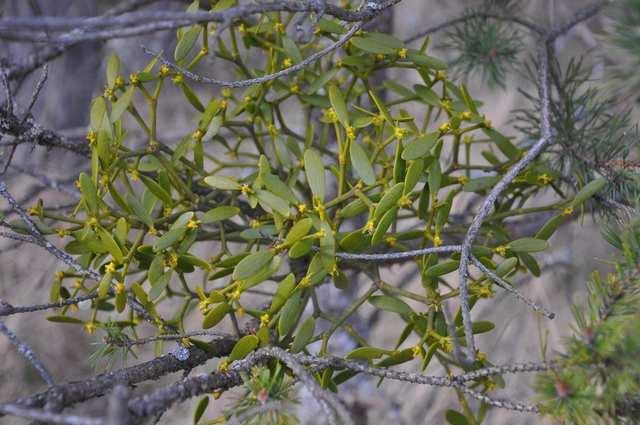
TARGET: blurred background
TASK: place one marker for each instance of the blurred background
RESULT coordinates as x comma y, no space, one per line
78,75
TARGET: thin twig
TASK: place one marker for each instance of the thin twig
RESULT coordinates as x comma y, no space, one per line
28,353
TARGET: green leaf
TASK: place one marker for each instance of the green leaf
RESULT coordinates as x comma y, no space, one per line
366,353
427,95
282,293
481,183
105,284
421,59
442,268
186,43
156,189
139,210
214,316
528,245
420,146
506,266
304,335
385,222
122,104
549,227
89,192
298,230
243,347
273,202
389,200
200,409
300,248
113,67
589,190
111,245
290,312
455,418
414,172
65,319
339,105
435,177
530,263
252,264
219,213
160,285
503,143
314,169
170,238
392,304
361,163
371,45
291,49
222,183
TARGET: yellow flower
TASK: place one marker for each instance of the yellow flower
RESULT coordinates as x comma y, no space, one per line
441,75
104,180
567,211
490,385
294,88
235,295
153,231
485,291
224,104
247,99
32,211
110,268
90,327
203,305
437,241
463,180
544,179
330,115
254,224
118,82
216,394
377,120
246,189
178,79
172,261
59,275
399,132
198,134
240,311
227,93
482,356
444,127
379,57
351,133
92,137
320,234
242,28
417,351
305,281
467,140
447,105
466,115
120,288
186,342
164,70
193,224
278,27
77,284
264,320
134,79
135,175
487,123
302,208
287,63
339,63
405,201
223,366
391,240
92,222
500,250
446,344
402,53
108,93
369,227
